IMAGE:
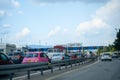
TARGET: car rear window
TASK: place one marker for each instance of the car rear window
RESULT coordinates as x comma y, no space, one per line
56,54
31,55
107,54
10,54
16,53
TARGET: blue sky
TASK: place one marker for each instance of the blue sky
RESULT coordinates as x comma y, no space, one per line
51,22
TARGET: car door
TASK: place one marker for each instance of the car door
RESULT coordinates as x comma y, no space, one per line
4,60
44,57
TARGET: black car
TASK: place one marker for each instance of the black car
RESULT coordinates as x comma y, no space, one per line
4,60
16,56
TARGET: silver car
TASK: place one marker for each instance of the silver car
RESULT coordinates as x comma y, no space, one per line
106,56
60,57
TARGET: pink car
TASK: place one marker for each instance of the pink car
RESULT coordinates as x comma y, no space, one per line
35,57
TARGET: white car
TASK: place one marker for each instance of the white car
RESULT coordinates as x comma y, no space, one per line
106,56
60,57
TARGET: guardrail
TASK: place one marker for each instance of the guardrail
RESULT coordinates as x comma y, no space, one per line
11,69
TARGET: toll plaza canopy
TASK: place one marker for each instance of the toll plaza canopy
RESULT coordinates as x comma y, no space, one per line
45,48
38,47
59,47
79,48
85,48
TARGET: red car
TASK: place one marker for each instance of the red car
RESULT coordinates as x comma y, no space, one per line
73,56
35,57
4,60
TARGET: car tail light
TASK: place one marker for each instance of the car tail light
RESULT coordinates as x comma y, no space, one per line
62,58
18,57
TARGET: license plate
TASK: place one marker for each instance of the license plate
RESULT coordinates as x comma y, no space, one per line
29,61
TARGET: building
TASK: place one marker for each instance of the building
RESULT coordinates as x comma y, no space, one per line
6,48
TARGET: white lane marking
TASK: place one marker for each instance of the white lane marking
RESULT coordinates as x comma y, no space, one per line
24,76
32,74
71,71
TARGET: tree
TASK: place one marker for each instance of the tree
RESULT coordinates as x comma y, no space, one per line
117,41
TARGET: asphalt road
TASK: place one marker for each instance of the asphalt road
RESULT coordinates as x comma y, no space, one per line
106,70
100,71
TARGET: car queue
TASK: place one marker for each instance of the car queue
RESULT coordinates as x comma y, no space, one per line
29,57
20,57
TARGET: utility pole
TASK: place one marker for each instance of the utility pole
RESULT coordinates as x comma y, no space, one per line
1,42
39,45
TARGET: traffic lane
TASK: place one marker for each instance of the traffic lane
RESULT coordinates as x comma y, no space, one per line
47,74
105,70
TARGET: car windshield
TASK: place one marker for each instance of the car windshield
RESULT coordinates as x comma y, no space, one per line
10,54
16,53
31,55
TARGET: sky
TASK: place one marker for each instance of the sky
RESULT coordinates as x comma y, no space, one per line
55,22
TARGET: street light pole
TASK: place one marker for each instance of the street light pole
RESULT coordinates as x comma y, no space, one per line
1,42
39,45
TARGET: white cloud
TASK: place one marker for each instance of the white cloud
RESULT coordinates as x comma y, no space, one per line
15,3
47,2
43,4
6,25
23,33
54,31
20,12
62,1
5,13
91,28
57,31
100,27
2,13
6,6
110,11
65,31
9,13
